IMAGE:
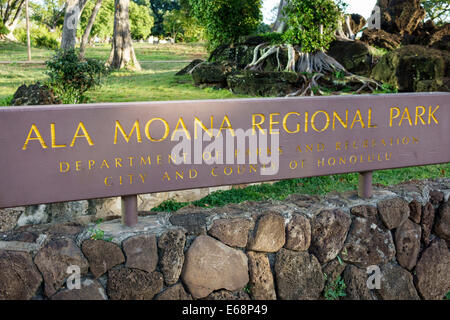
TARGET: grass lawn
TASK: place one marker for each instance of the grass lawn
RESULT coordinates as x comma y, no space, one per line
157,82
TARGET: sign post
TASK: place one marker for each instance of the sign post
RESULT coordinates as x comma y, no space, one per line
365,185
129,211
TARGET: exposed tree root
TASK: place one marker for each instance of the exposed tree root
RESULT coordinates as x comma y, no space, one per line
316,64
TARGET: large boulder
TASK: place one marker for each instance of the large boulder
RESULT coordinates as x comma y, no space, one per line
133,284
329,231
400,16
264,84
442,226
299,275
396,284
407,243
367,244
211,265
212,74
269,234
404,68
102,256
34,94
433,278
381,39
355,56
53,261
19,279
171,245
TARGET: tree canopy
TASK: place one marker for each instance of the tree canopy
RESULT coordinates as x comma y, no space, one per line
226,20
311,24
437,10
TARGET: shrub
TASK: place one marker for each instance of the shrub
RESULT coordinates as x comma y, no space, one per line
71,77
226,20
311,24
39,37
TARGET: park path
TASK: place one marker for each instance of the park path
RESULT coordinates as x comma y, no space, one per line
144,61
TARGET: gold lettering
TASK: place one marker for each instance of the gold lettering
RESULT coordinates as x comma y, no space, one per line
431,115
166,128
358,118
127,137
61,167
84,135
53,136
229,127
407,116
336,116
313,118
258,125
198,122
392,117
38,137
285,119
186,132
272,123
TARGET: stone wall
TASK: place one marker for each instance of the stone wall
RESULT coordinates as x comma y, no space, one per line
292,249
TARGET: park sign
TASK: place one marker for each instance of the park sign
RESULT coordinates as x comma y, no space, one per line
77,152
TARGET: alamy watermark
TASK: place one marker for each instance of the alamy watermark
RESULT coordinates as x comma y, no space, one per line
228,147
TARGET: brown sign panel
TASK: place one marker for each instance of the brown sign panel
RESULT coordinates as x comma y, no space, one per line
64,153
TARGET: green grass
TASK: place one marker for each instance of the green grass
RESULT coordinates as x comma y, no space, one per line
315,185
156,81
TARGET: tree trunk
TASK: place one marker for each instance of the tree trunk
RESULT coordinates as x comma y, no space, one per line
74,8
87,32
122,52
280,25
27,17
14,21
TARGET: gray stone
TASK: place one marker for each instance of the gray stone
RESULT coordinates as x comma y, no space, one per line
407,244
396,284
393,212
228,295
298,275
133,284
211,265
355,280
175,292
329,231
193,222
428,215
415,208
436,197
367,244
269,234
333,270
171,245
442,226
19,277
102,256
262,285
9,218
141,252
54,259
232,232
298,233
433,278
90,290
